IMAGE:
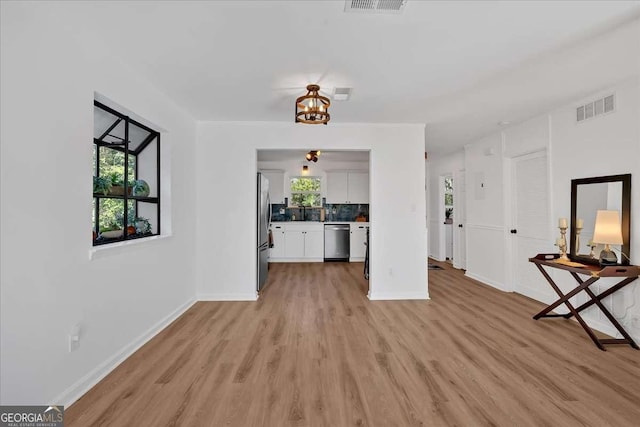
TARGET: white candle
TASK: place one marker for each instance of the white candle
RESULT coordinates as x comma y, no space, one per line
562,223
579,223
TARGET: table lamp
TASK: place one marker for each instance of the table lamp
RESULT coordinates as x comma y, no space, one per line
608,232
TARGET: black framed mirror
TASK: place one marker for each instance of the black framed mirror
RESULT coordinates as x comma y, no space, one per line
588,195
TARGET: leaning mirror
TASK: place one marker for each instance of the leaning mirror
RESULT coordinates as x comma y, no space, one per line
595,198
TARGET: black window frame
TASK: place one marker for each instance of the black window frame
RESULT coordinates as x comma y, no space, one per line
154,136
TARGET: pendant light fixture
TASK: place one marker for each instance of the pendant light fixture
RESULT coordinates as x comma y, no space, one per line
313,108
312,156
305,170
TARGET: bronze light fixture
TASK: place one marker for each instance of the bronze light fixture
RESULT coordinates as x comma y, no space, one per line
312,156
313,108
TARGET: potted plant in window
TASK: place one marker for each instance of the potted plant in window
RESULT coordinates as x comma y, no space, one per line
101,185
112,231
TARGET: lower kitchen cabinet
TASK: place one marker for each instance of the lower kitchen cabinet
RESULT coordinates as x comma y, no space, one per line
297,242
314,244
277,251
357,239
294,244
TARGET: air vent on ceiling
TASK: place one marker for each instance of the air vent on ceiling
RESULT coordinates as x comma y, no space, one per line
596,108
341,93
375,6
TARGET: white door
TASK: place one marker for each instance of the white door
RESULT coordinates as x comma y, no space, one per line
277,251
459,221
314,244
530,228
293,244
357,241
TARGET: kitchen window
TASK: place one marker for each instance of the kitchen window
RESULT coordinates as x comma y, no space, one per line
306,191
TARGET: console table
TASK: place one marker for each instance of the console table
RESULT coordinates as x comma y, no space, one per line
627,274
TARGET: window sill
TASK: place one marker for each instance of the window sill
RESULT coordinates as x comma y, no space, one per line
97,252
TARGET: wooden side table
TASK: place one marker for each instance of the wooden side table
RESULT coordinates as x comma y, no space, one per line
628,273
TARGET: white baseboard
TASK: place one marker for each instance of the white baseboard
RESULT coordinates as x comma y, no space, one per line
84,384
486,281
358,259
248,296
391,296
296,259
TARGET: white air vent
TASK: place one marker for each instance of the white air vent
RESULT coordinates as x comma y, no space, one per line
596,108
375,6
341,93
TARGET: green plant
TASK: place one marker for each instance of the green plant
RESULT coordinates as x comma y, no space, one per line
101,184
116,179
143,226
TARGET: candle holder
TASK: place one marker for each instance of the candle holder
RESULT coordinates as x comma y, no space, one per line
578,230
562,244
592,246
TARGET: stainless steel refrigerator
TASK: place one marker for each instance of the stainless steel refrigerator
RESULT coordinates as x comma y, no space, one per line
264,217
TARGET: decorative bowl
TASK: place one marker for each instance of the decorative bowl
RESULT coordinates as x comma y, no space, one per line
112,234
140,188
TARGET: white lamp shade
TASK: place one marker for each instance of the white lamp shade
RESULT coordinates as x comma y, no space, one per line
608,229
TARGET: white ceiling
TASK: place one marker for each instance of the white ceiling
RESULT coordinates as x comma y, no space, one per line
458,67
326,156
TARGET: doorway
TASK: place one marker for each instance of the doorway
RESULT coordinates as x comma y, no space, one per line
310,192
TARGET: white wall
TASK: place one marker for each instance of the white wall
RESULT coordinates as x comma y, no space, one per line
606,145
226,157
485,214
49,284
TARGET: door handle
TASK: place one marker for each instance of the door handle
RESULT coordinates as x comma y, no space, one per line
459,225
514,231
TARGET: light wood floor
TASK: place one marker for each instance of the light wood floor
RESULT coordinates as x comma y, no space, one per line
313,351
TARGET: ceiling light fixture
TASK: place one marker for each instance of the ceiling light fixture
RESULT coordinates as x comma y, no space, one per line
313,108
305,170
312,156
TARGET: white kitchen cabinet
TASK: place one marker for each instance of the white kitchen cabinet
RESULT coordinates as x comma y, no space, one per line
358,187
276,185
277,251
294,244
297,242
314,244
337,187
357,239
347,187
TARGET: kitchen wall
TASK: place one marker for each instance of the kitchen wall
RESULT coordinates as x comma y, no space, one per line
124,295
606,145
226,243
293,168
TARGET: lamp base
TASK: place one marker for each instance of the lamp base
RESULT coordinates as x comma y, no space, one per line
608,257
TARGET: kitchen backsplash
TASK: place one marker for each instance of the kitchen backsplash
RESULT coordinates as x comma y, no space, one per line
337,212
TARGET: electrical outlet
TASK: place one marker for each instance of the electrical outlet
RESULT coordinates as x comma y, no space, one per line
74,338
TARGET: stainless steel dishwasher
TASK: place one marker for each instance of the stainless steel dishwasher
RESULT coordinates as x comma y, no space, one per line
336,242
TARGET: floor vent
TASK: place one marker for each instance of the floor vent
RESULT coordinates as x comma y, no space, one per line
596,108
375,6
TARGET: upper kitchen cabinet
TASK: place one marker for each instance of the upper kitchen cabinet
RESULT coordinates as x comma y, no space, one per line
348,187
276,185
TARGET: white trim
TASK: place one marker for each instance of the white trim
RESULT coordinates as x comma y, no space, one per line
486,281
93,377
296,259
102,251
248,296
485,227
387,296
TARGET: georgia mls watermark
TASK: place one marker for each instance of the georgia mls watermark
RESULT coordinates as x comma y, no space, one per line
32,416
